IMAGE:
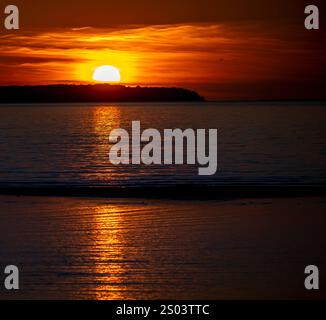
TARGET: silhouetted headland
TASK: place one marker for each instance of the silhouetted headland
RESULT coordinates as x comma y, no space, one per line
94,93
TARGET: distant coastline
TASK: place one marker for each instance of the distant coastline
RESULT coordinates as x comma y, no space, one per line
95,93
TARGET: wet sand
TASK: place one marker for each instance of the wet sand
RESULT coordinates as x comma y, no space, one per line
93,248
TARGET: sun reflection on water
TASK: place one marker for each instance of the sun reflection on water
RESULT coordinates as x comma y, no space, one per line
109,245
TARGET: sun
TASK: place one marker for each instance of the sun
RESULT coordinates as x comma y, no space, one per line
106,74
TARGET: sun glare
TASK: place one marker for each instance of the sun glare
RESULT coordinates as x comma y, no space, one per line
106,74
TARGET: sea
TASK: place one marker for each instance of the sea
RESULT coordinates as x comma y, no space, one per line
145,248
68,144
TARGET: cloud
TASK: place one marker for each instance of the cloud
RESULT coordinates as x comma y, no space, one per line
196,55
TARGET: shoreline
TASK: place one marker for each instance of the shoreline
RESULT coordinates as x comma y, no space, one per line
113,249
181,192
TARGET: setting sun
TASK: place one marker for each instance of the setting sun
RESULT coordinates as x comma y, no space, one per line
106,74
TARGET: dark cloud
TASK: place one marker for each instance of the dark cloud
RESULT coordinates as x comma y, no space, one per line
104,13
14,60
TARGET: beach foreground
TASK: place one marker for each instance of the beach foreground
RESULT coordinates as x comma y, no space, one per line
81,248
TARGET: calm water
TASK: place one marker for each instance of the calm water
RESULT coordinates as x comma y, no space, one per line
68,144
153,249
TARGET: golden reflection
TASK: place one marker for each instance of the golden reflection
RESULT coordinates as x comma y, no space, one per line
108,236
110,244
118,250
104,120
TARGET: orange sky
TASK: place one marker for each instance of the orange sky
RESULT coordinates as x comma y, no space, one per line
225,59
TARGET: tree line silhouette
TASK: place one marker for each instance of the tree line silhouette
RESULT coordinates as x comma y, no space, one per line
94,93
